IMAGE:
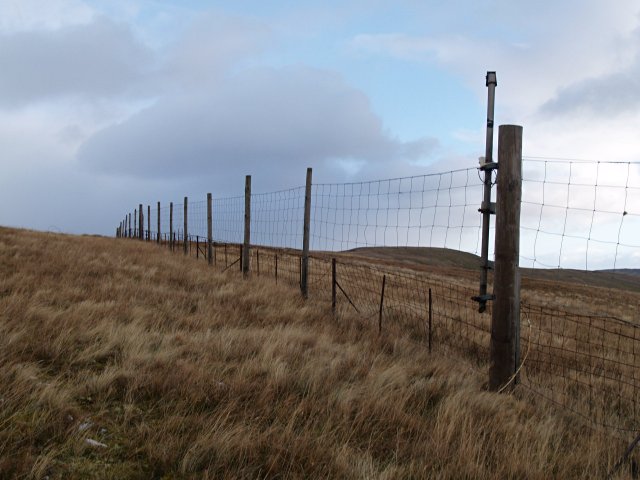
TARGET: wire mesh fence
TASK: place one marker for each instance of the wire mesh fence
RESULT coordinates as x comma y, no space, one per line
588,364
578,214
437,210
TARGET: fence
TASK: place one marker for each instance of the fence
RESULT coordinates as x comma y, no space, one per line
578,348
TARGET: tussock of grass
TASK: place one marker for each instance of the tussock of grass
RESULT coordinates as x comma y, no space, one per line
187,373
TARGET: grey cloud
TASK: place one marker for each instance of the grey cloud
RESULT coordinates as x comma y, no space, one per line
212,44
285,119
606,95
101,58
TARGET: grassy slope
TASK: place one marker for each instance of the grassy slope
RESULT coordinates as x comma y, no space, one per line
183,372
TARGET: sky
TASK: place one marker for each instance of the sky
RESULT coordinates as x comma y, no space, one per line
105,104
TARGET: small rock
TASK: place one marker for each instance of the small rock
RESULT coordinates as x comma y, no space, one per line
94,443
85,426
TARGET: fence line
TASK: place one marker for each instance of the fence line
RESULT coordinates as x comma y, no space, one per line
585,361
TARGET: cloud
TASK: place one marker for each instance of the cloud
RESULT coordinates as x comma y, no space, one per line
22,15
613,94
290,117
98,59
212,45
534,50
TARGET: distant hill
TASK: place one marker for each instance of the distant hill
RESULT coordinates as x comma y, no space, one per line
419,258
624,271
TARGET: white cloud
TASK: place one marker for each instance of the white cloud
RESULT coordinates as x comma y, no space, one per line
33,15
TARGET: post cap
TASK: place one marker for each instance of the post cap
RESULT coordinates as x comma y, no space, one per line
491,79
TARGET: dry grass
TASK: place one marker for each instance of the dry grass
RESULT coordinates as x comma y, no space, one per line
183,372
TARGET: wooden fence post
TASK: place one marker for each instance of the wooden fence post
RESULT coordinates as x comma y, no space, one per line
148,223
333,285
430,318
140,223
185,234
304,281
158,236
171,226
209,229
246,252
384,281
505,320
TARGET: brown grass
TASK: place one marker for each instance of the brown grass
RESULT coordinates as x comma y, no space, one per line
183,372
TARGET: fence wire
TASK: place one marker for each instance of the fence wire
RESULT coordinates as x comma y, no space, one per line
588,364
437,210
581,215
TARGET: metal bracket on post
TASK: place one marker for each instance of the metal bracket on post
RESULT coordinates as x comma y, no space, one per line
487,208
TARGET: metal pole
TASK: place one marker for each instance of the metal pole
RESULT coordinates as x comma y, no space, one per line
304,281
505,320
487,208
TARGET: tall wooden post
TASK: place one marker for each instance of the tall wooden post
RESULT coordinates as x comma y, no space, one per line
304,268
129,223
135,223
505,321
246,252
148,223
140,223
209,229
171,226
158,236
186,231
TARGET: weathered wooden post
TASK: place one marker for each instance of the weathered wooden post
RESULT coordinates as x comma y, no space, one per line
129,223
186,231
384,281
304,268
135,223
430,318
148,223
209,230
140,223
158,236
333,285
246,252
171,226
505,320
